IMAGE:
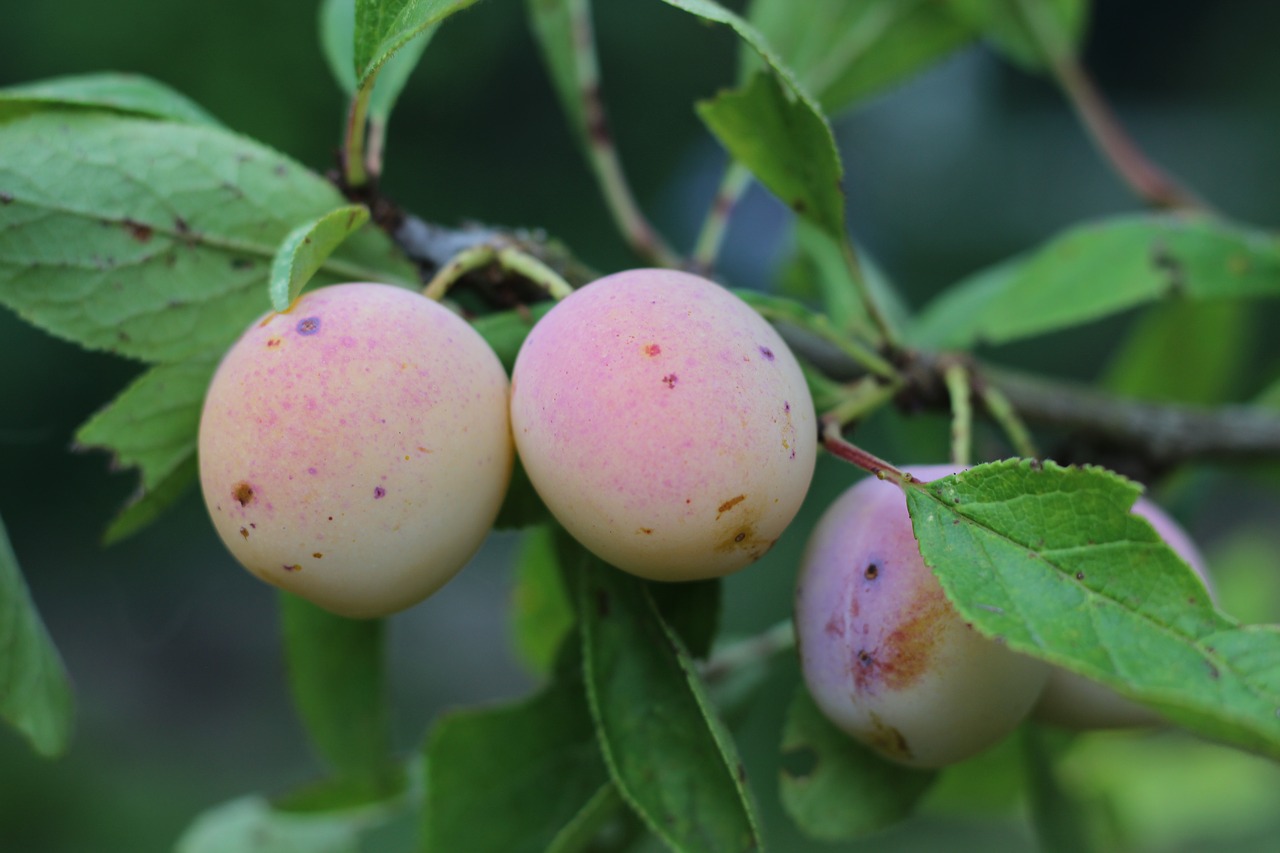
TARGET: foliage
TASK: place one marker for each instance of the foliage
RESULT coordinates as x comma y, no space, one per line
132,222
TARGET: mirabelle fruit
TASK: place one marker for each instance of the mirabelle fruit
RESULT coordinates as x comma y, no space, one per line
665,424
884,654
355,449
1073,701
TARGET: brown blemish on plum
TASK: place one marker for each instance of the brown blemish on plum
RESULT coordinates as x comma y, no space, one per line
767,353
729,504
647,531
308,325
379,492
273,343
872,572
652,349
669,380
243,493
294,568
244,531
887,739
906,653
317,555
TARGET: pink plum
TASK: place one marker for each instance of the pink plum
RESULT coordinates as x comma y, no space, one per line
665,424
355,449
884,654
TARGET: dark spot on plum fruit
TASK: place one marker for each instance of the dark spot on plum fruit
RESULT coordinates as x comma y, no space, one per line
872,572
243,493
767,353
308,325
669,380
379,492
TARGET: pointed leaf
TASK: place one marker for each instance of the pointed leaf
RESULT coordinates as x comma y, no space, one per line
383,27
667,750
149,504
514,778
251,825
786,144
835,788
337,674
152,239
552,24
1095,270
844,51
337,37
1058,817
123,93
541,613
304,251
1051,560
35,695
1009,27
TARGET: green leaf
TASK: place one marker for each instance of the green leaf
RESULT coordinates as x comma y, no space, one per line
122,93
251,825
383,27
1051,560
844,51
152,239
668,752
836,789
1185,351
522,507
514,778
304,251
505,331
152,424
1027,32
148,505
337,38
692,609
35,695
787,145
1059,819
1094,270
820,260
337,674
541,613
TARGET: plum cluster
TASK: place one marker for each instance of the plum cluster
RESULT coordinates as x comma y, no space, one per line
355,449
889,660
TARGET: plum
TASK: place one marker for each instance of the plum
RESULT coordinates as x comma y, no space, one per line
355,449
1072,701
884,654
664,423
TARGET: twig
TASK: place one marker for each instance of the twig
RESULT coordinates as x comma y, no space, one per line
836,445
1003,413
507,258
1145,178
736,180
860,398
354,173
956,376
603,154
760,647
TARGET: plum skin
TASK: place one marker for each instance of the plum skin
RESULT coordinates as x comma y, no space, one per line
355,449
884,654
1072,701
664,423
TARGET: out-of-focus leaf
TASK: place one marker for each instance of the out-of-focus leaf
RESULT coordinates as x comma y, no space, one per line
844,51
384,27
522,507
512,779
35,694
251,825
667,750
337,674
122,93
1052,560
552,24
1010,28
307,247
836,789
1185,352
1059,818
147,505
542,614
505,331
692,609
337,37
821,261
152,239
1099,269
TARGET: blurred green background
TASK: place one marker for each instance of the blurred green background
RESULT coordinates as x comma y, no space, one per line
174,650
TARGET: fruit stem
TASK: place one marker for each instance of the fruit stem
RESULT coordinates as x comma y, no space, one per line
777,309
602,153
837,445
733,184
956,376
1002,411
869,302
759,647
508,258
860,398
